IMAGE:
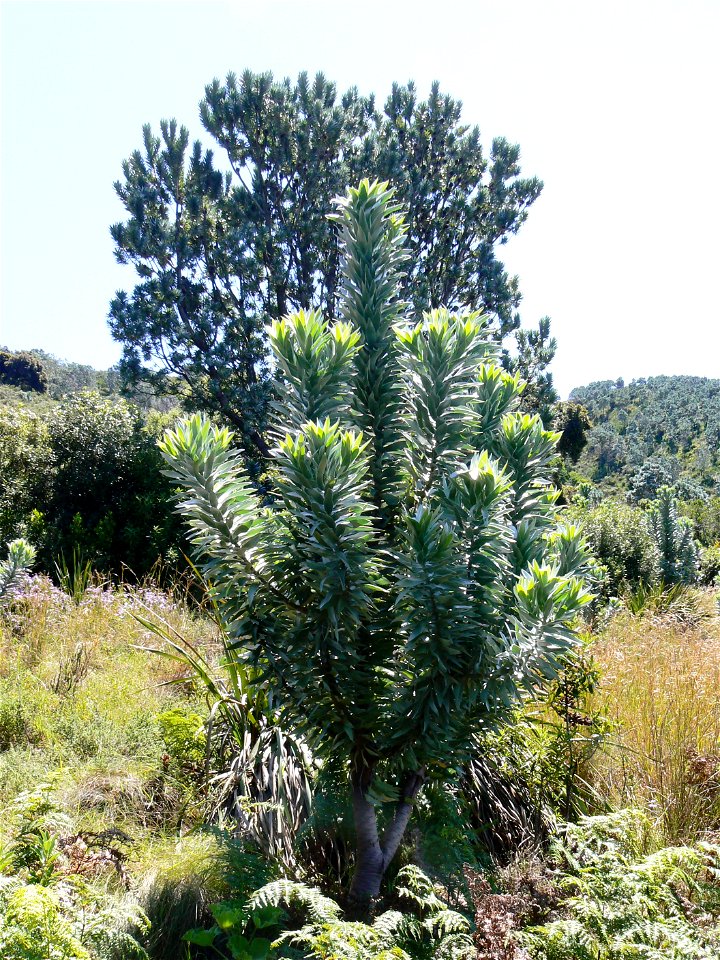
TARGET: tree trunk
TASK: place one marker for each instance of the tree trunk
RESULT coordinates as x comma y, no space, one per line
369,865
373,854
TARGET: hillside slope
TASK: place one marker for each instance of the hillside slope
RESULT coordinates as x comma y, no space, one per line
675,421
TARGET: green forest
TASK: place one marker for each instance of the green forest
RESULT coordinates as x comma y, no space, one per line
327,629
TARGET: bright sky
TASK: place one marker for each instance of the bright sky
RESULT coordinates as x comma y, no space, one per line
614,104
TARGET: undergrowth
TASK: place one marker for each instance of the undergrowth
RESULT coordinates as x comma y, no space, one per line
78,697
627,900
289,919
114,859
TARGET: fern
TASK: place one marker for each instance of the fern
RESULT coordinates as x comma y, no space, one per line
318,908
625,902
47,914
427,929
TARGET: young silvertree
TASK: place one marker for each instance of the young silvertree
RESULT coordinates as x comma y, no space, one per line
410,581
673,536
20,557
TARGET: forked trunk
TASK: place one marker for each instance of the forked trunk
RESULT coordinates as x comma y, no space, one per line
374,853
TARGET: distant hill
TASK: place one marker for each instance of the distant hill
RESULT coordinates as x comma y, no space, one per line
672,421
65,378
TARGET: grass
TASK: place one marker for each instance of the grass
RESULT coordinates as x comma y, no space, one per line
79,701
119,733
114,729
661,686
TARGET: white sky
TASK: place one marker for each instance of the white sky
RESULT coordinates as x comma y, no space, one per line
614,105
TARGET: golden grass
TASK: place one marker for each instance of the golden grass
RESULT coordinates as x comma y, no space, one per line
661,685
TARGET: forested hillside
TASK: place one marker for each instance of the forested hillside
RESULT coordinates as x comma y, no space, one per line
674,422
55,378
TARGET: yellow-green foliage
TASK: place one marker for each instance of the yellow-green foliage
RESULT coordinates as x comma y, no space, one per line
120,733
48,909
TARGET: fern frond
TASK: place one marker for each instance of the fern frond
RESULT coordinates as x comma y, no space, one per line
317,908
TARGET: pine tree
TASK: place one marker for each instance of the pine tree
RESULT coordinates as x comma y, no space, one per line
218,255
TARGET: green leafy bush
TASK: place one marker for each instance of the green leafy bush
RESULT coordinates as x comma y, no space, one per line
709,566
185,736
653,474
705,515
619,538
22,370
536,769
25,469
84,481
17,726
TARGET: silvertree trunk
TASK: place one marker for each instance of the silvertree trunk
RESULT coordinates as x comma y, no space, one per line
374,853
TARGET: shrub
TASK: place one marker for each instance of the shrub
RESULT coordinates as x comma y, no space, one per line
17,727
25,469
85,482
537,768
619,538
108,500
181,880
654,473
709,566
705,515
22,370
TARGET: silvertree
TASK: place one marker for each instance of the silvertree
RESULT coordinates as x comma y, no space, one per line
409,580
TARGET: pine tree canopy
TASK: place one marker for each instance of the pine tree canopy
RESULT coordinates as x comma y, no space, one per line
410,579
221,246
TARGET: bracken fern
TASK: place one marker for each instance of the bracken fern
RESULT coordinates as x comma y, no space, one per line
628,903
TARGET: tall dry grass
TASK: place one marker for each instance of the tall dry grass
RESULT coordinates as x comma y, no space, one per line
661,686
